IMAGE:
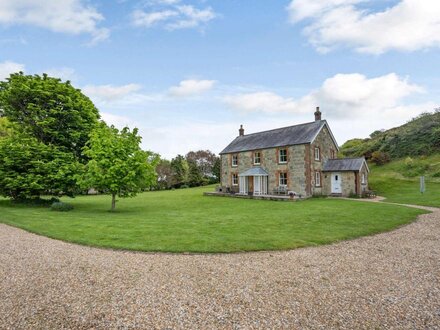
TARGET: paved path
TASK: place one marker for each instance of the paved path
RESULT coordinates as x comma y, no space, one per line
391,280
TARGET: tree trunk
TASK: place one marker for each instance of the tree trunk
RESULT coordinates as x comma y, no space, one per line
113,202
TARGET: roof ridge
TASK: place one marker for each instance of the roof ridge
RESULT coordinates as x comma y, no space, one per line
347,158
279,128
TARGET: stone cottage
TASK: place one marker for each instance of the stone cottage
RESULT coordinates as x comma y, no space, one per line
300,159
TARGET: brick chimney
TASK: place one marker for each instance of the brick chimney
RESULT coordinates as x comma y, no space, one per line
241,130
317,114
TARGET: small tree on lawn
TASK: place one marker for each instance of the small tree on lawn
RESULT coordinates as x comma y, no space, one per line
117,163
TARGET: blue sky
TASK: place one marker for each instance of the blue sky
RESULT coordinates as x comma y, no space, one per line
188,73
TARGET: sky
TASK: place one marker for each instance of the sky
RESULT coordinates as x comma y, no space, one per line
187,73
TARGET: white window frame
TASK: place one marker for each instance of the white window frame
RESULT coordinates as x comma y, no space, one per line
255,158
234,179
234,160
317,153
317,179
285,155
363,181
279,179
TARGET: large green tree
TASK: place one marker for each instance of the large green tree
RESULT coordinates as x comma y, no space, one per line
52,111
30,168
51,123
117,163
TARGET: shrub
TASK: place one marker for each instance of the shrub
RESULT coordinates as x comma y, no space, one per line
380,157
61,207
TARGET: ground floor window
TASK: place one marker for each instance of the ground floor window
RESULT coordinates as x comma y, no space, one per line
235,179
283,179
318,179
363,178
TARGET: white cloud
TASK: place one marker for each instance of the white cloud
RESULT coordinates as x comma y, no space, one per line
191,87
174,16
66,16
407,26
141,18
110,93
262,101
343,95
8,67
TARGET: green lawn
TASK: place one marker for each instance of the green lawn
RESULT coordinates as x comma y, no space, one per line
389,181
185,220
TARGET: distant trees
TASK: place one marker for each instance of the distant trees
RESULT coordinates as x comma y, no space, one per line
196,168
116,163
164,174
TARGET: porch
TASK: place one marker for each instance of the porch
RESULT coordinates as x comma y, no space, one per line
285,198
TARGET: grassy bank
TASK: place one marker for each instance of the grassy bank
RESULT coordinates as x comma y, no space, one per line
399,181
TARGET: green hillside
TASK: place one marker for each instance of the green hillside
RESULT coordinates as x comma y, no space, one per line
420,136
404,153
398,180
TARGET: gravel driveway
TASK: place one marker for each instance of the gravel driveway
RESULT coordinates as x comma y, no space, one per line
390,280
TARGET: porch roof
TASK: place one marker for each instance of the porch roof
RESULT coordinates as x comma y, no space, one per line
254,171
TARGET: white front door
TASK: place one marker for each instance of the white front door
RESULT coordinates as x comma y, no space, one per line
336,183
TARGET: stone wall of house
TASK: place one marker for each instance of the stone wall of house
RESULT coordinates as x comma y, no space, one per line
348,183
328,150
301,165
295,167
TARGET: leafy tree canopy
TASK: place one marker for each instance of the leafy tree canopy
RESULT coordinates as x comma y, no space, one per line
117,164
30,168
5,127
52,111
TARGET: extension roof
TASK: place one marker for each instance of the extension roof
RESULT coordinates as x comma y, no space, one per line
344,164
279,137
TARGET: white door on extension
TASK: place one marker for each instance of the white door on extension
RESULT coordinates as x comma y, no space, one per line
336,183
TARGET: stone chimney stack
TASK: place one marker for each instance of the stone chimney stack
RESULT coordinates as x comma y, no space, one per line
241,130
317,114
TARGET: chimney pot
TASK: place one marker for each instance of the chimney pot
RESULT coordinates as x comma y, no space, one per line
241,130
317,114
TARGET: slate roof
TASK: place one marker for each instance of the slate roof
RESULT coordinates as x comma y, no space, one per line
343,164
255,171
280,137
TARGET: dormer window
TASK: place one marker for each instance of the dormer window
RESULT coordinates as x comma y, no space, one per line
317,154
257,158
234,160
283,156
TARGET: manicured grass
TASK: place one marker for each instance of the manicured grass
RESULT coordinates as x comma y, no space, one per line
185,220
389,181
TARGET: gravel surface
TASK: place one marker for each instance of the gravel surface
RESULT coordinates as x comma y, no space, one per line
390,280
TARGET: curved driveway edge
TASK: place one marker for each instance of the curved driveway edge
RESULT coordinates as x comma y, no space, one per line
390,280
